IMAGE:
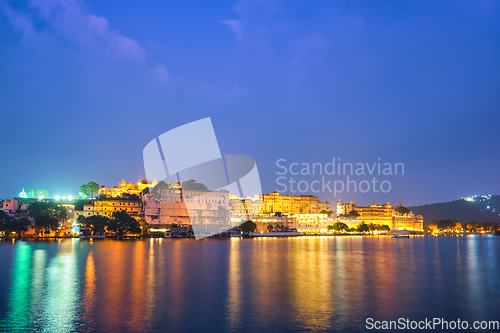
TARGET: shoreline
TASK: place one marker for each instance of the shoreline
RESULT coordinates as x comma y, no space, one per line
256,235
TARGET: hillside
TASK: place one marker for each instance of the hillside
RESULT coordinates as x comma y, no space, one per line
479,208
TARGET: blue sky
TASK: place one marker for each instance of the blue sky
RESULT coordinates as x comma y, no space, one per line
85,85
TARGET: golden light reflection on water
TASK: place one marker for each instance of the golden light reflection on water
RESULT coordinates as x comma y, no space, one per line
89,296
233,309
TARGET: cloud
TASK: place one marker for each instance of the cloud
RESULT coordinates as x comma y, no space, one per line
161,71
235,26
22,23
260,25
69,18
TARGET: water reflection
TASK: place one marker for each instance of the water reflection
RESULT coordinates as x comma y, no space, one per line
37,286
233,310
89,297
19,294
296,284
60,301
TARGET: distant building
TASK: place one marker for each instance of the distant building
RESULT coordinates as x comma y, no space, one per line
173,204
312,222
262,222
383,214
247,207
129,188
10,207
106,207
275,202
375,213
88,212
300,222
408,222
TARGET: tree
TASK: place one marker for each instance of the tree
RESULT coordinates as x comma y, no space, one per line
46,214
362,228
449,224
4,218
78,204
88,190
248,226
19,225
192,185
37,193
133,197
82,192
122,223
353,214
383,227
92,189
270,227
10,224
327,212
96,223
339,226
144,225
5,221
41,193
433,224
402,210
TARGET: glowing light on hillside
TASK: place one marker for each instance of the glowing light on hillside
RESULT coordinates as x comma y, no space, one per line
57,197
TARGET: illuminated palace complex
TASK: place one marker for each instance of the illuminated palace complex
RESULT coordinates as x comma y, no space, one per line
384,214
165,204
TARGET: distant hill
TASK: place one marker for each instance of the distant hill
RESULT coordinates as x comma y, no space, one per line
479,208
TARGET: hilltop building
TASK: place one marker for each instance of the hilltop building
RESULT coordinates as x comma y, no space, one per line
129,188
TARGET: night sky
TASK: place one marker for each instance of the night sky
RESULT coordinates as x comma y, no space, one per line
85,85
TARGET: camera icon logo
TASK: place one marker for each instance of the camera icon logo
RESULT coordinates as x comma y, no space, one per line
190,155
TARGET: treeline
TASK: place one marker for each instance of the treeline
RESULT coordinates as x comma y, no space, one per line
121,224
11,225
45,216
453,225
363,227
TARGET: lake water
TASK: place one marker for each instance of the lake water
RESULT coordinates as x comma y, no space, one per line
245,285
